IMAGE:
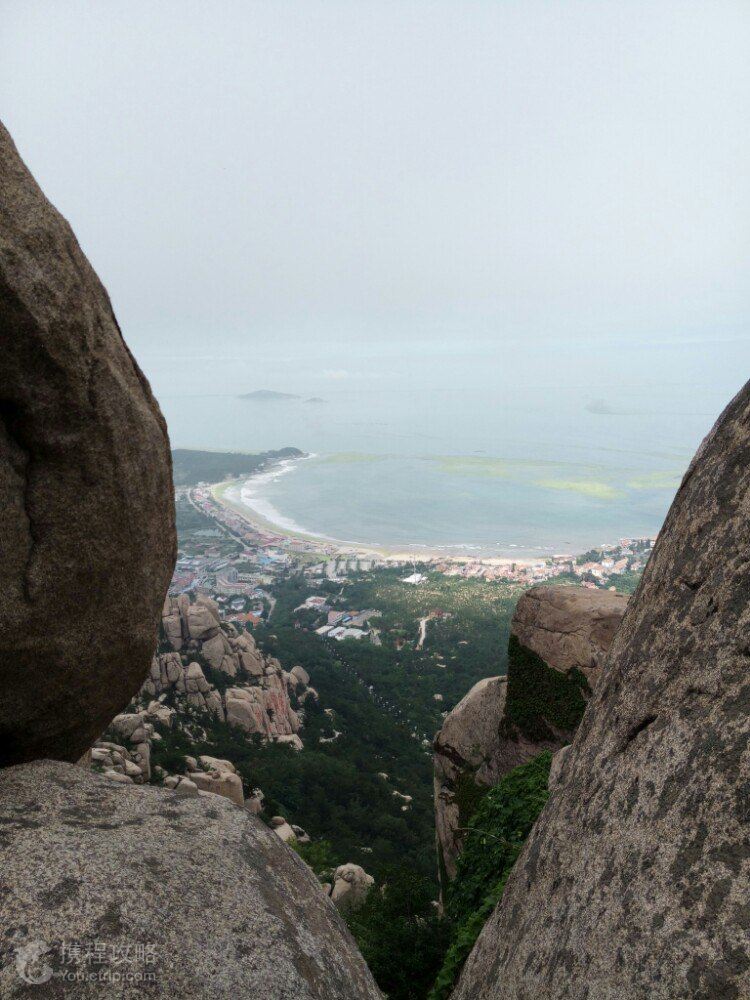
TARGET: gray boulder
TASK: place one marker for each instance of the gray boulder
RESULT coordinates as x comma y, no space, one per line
634,882
351,884
189,896
569,627
86,498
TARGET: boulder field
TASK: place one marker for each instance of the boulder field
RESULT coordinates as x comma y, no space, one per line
633,883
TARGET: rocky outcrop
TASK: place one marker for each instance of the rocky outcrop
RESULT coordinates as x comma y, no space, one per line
169,674
266,700
351,883
118,762
468,756
634,881
282,829
569,627
86,498
187,896
506,721
197,627
218,782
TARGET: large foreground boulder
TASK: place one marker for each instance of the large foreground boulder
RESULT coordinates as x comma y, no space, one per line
139,891
87,540
634,882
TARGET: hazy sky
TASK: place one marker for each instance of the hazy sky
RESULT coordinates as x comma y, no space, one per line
360,183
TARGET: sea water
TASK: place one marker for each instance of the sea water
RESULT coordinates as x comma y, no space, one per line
464,459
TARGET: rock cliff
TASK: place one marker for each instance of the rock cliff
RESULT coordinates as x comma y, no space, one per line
634,881
86,505
558,638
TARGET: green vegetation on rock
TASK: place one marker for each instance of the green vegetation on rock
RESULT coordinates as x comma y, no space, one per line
191,467
541,699
467,796
496,834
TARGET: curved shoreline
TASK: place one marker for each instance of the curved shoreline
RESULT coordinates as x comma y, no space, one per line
265,518
337,546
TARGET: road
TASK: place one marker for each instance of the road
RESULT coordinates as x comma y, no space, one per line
422,631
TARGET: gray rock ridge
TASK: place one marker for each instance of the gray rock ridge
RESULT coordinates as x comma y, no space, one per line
205,897
633,883
86,500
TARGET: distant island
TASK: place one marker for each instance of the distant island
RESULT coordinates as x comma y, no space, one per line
192,467
267,396
315,399
601,408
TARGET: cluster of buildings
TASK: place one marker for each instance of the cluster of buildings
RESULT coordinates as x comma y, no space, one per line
211,563
592,570
341,624
239,579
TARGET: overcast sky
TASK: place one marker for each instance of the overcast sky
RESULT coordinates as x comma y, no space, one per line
378,178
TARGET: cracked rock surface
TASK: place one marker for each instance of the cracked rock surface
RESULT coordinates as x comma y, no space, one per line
634,881
87,540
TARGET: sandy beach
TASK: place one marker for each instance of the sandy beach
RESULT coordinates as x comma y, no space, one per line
228,494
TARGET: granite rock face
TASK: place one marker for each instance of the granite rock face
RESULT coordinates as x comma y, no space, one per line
189,890
633,883
265,700
87,538
557,633
470,754
569,627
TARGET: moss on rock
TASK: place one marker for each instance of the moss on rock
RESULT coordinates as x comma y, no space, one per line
541,702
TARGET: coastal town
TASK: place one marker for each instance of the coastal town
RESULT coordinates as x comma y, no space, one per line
235,559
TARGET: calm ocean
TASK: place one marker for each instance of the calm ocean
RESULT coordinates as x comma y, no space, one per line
474,464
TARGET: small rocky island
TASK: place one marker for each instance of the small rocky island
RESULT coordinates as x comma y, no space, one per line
268,396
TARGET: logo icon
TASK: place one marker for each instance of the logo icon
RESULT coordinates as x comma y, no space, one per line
30,963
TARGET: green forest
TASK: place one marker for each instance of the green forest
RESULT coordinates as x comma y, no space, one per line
368,745
191,467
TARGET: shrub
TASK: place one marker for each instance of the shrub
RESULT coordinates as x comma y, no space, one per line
401,935
496,834
540,697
